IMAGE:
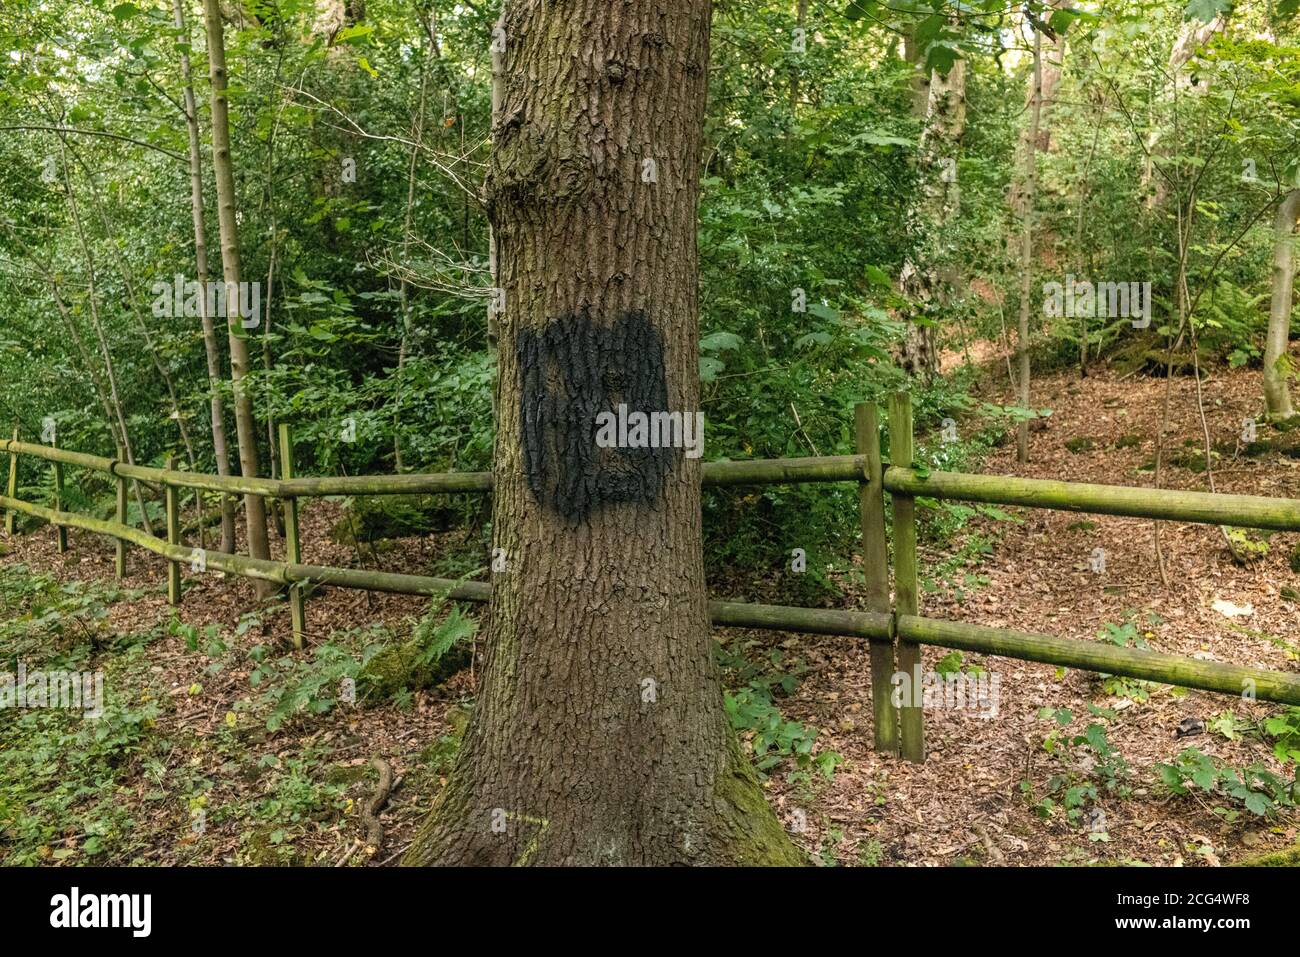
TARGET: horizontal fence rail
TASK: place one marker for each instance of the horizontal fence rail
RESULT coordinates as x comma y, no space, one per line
826,468
1212,508
895,630
1106,658
1091,656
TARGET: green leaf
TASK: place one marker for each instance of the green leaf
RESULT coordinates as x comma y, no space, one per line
873,138
1204,777
710,368
355,34
929,29
1205,10
949,663
1060,20
878,277
940,56
813,339
720,342
1256,803
859,9
1171,778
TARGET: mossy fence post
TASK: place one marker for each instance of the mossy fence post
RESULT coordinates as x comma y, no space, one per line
875,567
292,539
120,558
911,717
60,531
172,499
11,516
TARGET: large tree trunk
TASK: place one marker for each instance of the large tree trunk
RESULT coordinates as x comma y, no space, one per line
1276,366
599,735
245,426
927,276
1052,67
919,82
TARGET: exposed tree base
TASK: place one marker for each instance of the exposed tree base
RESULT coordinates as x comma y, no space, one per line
733,826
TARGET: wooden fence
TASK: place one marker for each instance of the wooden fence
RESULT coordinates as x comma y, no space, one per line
894,631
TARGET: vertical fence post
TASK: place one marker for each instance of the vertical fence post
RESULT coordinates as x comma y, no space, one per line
60,531
292,541
172,498
11,516
120,563
911,717
875,565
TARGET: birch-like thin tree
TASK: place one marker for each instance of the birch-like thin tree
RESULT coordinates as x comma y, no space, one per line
223,172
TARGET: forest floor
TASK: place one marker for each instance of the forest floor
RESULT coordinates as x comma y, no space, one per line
220,746
978,798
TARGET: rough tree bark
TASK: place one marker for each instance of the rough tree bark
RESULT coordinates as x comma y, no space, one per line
599,735
924,278
1053,67
1276,366
222,168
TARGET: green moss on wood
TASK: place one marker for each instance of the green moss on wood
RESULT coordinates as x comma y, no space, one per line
259,850
346,773
439,755
1290,857
1244,511
373,518
406,666
754,835
1281,687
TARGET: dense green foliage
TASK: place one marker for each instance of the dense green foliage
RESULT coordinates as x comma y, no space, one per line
359,147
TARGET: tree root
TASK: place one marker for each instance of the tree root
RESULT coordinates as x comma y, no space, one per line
370,810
